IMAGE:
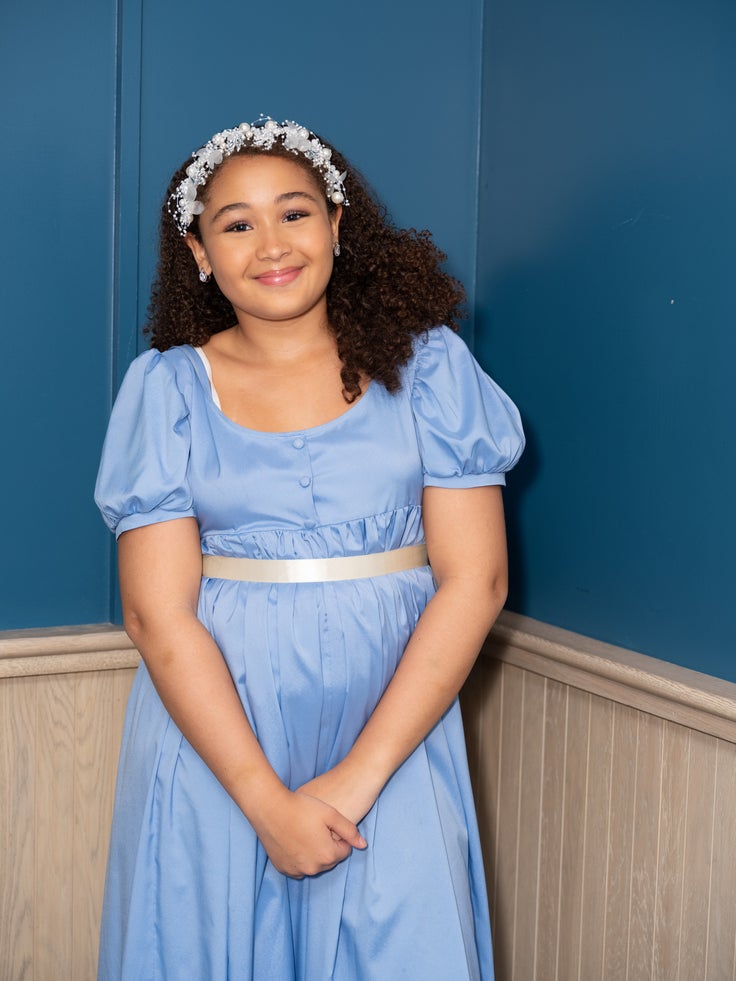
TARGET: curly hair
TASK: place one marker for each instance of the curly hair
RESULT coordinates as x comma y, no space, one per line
386,288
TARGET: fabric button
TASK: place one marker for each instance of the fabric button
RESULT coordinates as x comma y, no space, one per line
305,481
309,523
298,443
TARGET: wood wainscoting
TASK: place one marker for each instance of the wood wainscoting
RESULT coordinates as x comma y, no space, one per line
605,784
62,702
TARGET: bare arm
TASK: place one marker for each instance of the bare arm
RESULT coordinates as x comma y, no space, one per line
466,542
160,574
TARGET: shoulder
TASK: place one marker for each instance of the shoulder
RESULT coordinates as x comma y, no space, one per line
468,429
439,347
161,370
168,361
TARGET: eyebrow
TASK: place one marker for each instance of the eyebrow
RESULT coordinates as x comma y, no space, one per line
239,205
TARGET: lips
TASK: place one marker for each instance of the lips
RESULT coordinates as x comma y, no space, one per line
279,277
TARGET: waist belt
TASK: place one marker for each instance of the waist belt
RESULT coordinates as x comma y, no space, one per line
314,570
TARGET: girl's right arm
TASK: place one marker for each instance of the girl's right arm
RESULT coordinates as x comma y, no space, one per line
160,574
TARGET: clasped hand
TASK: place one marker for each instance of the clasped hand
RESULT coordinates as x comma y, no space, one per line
303,835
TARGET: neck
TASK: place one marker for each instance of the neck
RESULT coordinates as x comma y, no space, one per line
282,342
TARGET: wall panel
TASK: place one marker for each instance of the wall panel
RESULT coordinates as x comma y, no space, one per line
608,821
58,757
605,306
57,104
615,849
98,103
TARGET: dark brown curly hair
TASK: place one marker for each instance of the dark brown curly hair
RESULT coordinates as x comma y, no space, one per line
386,287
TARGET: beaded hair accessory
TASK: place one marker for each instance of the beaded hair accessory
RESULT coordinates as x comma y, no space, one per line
262,135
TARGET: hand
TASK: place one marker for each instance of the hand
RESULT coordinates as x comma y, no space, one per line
304,836
341,789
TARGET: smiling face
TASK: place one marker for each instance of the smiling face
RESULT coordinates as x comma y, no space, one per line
267,238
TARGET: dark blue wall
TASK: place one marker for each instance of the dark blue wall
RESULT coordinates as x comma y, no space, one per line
605,303
395,86
101,102
57,139
601,235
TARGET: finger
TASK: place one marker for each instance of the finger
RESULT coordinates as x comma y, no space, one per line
342,829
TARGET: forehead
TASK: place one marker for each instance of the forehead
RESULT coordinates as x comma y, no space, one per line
263,175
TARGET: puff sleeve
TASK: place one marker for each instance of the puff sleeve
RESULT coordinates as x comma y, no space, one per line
469,431
143,475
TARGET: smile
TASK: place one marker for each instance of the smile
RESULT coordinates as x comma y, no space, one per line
279,277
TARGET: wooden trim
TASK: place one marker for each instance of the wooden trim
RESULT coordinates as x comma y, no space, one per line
65,650
666,690
647,684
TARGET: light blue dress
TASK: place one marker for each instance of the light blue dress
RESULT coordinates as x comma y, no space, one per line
190,894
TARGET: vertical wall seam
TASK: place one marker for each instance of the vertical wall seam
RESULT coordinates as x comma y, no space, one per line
684,854
35,828
499,772
472,285
633,839
126,212
734,957
561,845
710,863
608,841
659,844
537,890
74,685
586,798
518,818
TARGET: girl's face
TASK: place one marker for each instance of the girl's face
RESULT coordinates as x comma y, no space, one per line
267,238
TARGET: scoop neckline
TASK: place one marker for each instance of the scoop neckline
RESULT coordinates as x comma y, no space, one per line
200,370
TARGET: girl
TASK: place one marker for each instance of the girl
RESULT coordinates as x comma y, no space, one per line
301,441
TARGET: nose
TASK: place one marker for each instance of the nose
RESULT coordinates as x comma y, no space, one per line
272,242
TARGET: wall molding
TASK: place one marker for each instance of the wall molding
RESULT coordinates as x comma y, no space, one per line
668,691
65,650
660,688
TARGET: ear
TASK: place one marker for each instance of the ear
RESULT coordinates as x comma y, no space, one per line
199,253
335,220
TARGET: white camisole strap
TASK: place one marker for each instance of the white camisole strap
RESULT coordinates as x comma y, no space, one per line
208,369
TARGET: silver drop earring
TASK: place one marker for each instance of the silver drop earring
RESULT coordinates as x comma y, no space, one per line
336,249
203,276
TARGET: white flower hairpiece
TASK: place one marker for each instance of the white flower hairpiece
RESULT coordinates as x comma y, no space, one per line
183,203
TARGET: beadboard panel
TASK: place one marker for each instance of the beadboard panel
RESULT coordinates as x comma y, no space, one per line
608,823
605,785
58,757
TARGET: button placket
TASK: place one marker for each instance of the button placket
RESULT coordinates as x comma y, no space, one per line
299,443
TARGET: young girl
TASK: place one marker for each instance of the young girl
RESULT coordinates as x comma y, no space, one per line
301,441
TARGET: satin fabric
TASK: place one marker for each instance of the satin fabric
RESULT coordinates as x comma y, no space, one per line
315,570
190,893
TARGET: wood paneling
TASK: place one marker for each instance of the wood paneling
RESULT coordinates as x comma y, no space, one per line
605,786
58,755
614,832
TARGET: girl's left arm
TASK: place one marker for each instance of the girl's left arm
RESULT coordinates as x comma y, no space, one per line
466,542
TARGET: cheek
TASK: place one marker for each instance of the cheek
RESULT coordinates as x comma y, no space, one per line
325,239
230,253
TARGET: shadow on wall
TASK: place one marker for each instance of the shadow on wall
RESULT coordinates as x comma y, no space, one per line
611,327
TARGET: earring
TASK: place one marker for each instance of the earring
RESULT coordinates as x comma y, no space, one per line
336,249
203,276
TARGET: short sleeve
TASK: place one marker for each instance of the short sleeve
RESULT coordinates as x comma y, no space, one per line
469,430
143,475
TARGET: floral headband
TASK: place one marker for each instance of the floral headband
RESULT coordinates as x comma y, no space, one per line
183,203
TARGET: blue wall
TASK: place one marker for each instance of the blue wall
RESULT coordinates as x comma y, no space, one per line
601,230
103,101
57,139
605,303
